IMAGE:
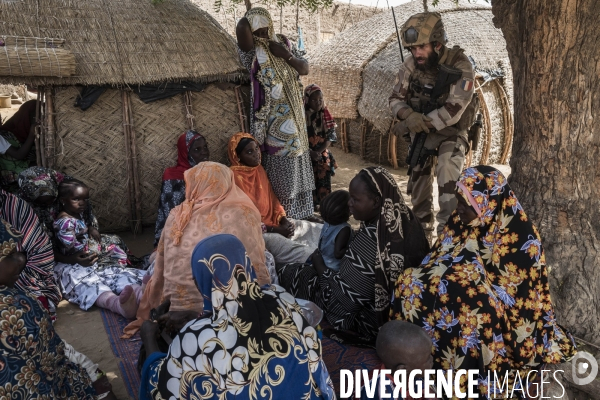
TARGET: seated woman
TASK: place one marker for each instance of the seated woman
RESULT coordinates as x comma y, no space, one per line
33,363
356,299
191,150
213,204
320,127
288,241
37,278
482,293
17,137
39,187
249,340
108,283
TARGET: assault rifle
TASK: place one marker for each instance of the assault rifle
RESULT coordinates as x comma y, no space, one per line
417,153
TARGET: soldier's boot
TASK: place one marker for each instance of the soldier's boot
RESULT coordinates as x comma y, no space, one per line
451,160
421,195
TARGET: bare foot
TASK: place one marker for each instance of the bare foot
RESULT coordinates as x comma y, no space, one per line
128,302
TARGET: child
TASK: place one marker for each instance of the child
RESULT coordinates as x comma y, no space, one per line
98,283
71,230
336,232
401,346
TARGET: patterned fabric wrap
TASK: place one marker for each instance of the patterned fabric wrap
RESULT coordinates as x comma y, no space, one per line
213,204
9,239
254,182
38,276
279,124
35,182
483,293
254,340
33,364
390,239
324,114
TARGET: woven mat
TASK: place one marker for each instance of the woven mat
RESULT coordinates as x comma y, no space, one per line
125,350
336,356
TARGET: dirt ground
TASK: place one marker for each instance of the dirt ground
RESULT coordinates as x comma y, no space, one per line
85,331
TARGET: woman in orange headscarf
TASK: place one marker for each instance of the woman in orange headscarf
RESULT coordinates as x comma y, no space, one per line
213,204
288,241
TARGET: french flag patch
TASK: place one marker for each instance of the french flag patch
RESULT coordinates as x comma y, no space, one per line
466,84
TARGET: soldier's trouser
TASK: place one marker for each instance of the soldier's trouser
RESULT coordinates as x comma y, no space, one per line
450,162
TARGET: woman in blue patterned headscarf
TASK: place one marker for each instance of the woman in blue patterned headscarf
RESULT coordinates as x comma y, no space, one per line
249,340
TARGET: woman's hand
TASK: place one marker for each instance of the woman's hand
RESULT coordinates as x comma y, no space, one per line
95,234
287,226
279,50
173,321
315,155
82,258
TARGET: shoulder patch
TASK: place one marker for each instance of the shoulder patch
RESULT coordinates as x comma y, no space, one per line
466,84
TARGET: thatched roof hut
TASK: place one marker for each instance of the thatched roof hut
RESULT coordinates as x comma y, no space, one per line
121,145
357,69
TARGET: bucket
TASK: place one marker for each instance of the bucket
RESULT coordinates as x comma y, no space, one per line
5,101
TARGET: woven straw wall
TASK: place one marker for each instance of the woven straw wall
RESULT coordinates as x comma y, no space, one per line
90,147
216,116
91,144
157,126
127,41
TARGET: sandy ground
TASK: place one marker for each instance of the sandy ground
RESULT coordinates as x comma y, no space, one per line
85,331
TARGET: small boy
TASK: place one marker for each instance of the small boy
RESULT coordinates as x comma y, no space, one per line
401,346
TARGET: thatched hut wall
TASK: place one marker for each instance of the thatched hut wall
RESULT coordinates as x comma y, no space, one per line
357,70
91,143
120,146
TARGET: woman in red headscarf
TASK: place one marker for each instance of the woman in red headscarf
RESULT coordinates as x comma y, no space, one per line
192,149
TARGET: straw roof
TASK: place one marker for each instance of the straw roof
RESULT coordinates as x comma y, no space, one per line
120,42
361,62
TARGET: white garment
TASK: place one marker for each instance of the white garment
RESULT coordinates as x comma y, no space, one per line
299,247
82,360
4,145
83,285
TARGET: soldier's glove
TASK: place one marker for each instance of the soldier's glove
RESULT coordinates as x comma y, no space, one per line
415,122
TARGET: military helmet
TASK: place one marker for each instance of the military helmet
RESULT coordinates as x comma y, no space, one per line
423,28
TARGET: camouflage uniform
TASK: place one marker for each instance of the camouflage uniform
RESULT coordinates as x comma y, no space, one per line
451,122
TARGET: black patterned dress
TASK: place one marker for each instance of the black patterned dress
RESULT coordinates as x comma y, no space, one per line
325,167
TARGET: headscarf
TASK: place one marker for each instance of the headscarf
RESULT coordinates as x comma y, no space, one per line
394,251
254,182
279,122
496,268
9,239
252,338
213,204
323,115
20,123
184,160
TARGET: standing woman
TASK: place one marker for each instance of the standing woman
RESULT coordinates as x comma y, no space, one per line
320,126
277,111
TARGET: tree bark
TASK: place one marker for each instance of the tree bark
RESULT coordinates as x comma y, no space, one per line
555,56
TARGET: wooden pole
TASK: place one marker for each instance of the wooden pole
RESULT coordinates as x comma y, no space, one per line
508,123
38,129
187,102
43,128
50,129
128,159
240,105
487,124
134,165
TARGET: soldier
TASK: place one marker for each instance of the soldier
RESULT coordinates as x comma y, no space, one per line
445,120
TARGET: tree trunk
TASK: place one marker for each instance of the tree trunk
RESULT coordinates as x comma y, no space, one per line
554,49
248,5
